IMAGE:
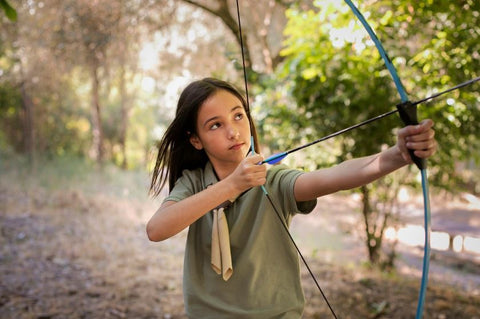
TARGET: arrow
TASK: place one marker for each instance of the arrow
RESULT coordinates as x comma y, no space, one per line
274,159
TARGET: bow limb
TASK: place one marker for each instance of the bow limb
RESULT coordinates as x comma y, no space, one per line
408,114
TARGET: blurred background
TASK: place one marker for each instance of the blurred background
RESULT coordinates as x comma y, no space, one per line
87,87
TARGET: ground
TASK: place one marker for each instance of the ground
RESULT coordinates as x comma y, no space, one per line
71,253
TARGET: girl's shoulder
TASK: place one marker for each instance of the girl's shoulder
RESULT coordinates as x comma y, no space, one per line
281,169
198,179
281,173
190,182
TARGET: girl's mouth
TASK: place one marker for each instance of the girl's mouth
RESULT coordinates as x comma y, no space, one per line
237,146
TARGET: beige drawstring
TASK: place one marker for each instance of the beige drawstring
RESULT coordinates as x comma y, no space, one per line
221,259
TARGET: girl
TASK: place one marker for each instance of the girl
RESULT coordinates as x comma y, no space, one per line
239,261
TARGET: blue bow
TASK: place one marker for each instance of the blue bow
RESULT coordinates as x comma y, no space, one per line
408,114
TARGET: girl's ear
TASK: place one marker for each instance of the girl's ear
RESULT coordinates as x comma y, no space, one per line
195,141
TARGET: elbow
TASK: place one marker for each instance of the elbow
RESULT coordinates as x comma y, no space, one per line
153,233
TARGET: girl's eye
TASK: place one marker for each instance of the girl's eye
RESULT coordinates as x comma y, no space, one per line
214,126
239,116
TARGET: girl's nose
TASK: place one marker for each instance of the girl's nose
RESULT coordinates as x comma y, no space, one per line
233,133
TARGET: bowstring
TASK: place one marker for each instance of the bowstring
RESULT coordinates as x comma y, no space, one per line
285,226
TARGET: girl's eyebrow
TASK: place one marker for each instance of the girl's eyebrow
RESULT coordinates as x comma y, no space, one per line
216,117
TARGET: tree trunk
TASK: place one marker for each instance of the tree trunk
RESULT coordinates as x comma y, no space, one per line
372,242
28,125
124,120
124,109
376,218
97,131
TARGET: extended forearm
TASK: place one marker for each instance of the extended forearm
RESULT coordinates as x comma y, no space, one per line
364,170
347,175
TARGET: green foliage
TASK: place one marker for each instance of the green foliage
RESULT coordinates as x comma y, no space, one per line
10,12
10,101
333,77
139,138
449,55
335,81
65,127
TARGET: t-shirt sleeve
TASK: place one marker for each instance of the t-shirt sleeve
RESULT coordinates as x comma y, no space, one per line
283,181
184,186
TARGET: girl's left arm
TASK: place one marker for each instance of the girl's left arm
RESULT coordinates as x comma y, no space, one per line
360,171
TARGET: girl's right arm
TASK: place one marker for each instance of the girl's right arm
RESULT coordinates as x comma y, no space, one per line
172,217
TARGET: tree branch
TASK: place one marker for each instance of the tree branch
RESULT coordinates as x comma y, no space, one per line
231,23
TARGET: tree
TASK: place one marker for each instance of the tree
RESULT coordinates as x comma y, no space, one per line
336,76
262,21
67,49
445,53
22,47
96,22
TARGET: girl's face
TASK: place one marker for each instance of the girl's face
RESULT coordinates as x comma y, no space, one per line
223,130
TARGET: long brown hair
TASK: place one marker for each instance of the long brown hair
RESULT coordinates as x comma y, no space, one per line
175,153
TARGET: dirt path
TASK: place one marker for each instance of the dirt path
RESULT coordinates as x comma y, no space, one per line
68,255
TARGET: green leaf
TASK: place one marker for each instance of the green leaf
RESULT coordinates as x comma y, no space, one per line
10,12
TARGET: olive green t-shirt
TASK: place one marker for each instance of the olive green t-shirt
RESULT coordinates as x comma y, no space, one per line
266,275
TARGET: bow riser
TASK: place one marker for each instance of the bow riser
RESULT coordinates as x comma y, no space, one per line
408,114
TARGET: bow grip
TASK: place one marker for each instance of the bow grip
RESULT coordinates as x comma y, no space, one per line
408,114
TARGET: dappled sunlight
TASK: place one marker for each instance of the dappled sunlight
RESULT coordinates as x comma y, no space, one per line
148,84
458,243
440,240
148,57
472,244
414,235
411,235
